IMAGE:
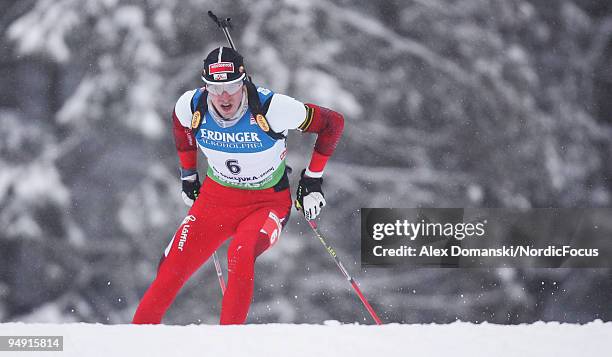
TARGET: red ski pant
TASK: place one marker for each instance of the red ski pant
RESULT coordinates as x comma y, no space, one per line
254,218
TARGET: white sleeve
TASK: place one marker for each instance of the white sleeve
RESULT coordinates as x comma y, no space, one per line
182,109
285,113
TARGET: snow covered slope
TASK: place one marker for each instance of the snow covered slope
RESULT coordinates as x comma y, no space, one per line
331,339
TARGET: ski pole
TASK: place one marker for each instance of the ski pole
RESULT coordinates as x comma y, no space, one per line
350,279
219,272
224,24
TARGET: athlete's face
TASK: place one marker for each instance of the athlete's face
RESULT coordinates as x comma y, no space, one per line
226,103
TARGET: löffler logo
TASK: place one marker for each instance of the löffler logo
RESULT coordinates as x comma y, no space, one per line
185,231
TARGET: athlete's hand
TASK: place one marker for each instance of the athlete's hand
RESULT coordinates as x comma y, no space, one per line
309,197
191,187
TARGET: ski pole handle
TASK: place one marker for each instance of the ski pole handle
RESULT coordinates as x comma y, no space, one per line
220,23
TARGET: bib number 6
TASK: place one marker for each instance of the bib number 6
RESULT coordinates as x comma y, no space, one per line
232,165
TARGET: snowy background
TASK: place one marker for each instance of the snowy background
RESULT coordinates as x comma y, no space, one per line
471,103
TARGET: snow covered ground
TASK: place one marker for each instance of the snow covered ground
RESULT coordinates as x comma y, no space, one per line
330,339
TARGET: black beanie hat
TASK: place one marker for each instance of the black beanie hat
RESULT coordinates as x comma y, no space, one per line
223,65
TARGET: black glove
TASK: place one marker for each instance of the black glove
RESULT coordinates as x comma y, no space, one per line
191,188
309,196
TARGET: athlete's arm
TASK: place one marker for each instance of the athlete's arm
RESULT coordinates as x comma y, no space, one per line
186,147
286,113
328,125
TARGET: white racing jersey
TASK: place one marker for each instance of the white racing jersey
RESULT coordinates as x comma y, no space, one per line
243,155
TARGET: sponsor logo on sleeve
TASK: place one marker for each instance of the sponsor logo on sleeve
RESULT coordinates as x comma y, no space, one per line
262,122
195,119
